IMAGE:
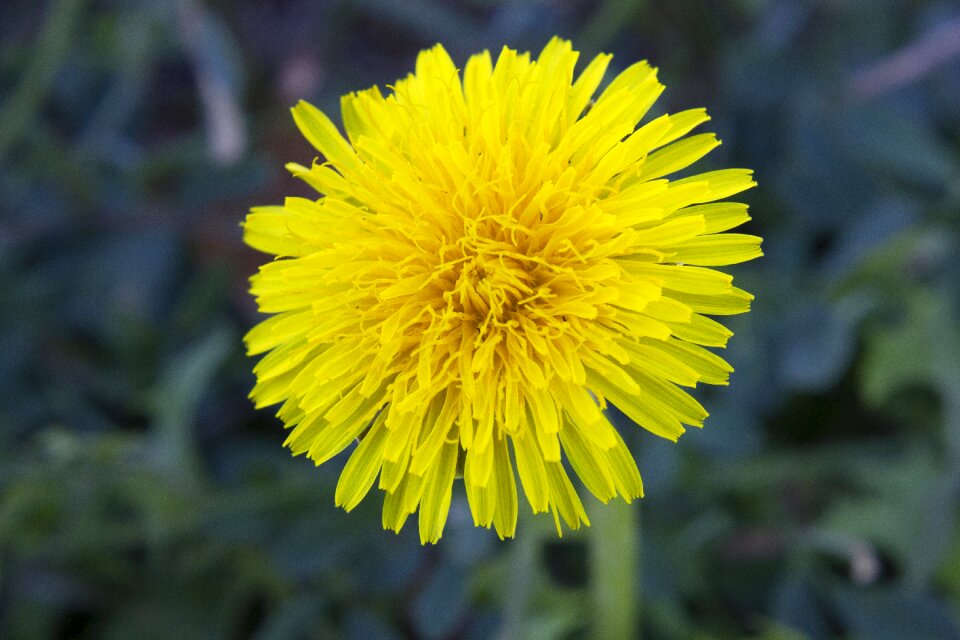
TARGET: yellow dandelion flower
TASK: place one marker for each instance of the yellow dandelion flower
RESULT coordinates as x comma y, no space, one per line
492,260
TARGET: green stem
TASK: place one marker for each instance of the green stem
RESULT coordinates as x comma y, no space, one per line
523,560
615,563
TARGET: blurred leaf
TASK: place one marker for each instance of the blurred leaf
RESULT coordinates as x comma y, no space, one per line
438,608
885,222
819,178
219,76
781,25
819,342
184,383
19,109
901,510
894,615
163,616
366,625
217,51
551,626
427,19
903,144
299,617
895,267
124,275
948,577
923,348
607,22
796,605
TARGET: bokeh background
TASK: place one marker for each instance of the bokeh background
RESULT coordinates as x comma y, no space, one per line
142,497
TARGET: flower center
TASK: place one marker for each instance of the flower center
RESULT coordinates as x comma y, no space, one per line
494,281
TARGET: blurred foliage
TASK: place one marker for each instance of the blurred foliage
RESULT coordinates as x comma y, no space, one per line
142,497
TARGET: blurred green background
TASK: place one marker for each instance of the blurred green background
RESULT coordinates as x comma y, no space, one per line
142,497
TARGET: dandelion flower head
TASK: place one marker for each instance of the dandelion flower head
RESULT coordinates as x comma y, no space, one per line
494,258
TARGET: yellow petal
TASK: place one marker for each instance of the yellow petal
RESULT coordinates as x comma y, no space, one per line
322,134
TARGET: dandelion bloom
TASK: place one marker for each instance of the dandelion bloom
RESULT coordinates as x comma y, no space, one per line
494,259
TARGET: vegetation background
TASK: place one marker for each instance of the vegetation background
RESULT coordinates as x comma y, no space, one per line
142,497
